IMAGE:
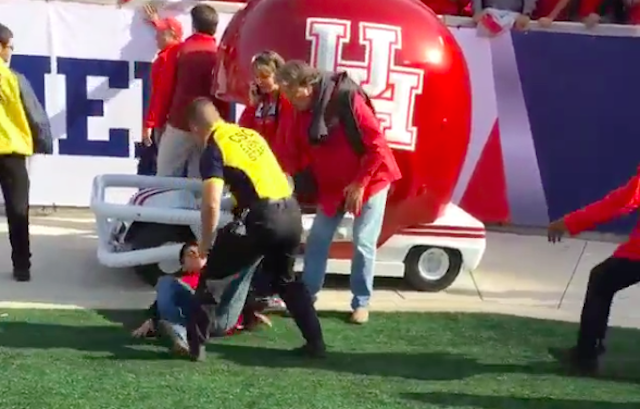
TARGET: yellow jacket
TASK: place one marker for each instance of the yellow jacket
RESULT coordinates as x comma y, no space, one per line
15,133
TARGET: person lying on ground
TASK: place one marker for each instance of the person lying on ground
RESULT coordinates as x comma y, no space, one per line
616,273
173,299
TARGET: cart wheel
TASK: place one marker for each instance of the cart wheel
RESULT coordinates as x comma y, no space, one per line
150,235
432,269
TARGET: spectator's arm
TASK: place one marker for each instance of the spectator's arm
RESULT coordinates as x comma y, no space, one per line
559,8
619,202
587,7
248,118
372,137
528,7
293,159
162,89
37,117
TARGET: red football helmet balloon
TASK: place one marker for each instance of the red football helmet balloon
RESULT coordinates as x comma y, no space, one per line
402,55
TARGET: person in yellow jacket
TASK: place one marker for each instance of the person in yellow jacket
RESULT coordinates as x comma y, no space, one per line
24,129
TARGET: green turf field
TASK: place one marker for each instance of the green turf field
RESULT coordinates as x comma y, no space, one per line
86,360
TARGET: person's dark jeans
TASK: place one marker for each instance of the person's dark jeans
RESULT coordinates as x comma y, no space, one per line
605,280
14,181
273,233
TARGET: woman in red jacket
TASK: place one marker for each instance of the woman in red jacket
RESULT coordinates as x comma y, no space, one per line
266,106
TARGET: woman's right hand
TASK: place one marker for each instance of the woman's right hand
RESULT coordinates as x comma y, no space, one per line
254,94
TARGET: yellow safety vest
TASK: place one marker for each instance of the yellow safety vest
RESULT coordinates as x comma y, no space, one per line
15,134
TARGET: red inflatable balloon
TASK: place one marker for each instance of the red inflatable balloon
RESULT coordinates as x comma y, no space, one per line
403,56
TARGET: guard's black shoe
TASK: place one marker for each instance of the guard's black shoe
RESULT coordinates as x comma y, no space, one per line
21,275
311,351
199,355
576,363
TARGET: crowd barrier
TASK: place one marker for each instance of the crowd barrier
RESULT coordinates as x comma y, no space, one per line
553,114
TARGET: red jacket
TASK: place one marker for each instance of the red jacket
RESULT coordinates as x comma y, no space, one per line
264,118
619,202
335,164
194,78
163,72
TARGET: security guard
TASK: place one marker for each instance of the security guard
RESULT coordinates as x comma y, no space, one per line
271,219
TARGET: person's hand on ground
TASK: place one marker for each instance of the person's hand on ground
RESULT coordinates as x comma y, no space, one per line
143,329
151,14
522,22
545,22
146,137
556,230
353,198
263,319
591,20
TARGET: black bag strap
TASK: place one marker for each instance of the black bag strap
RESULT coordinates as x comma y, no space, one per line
343,106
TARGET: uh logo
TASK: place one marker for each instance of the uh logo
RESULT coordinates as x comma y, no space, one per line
393,88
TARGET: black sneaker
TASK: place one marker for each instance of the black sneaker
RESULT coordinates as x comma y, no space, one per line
21,275
576,363
198,356
311,351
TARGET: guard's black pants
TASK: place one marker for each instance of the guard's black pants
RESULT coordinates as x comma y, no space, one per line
14,181
273,230
605,280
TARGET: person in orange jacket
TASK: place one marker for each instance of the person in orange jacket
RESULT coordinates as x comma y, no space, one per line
616,273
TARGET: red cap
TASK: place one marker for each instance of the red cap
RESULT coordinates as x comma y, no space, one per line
172,24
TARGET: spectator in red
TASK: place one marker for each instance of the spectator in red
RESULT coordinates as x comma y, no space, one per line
168,39
592,12
195,61
614,274
266,104
336,133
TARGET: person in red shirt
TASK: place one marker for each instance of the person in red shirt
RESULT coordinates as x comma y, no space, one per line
195,61
174,294
266,104
616,273
168,38
352,176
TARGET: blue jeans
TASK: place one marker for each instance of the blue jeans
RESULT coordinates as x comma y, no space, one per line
174,300
366,230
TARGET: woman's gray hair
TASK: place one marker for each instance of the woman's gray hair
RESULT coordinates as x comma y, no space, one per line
297,73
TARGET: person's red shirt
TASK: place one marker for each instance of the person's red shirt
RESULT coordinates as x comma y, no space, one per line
264,117
196,61
163,71
586,7
544,8
619,202
335,164
190,278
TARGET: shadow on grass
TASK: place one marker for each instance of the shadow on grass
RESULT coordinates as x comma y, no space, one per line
116,341
510,402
